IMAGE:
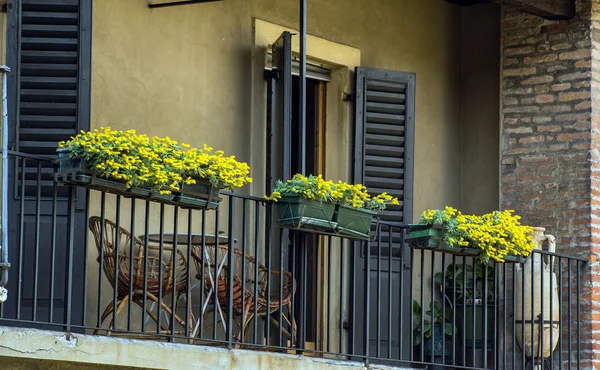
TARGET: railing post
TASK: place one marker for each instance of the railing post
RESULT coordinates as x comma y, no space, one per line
4,264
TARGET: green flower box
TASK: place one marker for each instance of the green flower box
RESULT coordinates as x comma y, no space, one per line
432,237
295,211
353,222
195,202
164,197
511,258
66,163
140,192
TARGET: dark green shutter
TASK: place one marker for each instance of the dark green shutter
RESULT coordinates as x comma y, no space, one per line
383,161
384,136
53,73
49,87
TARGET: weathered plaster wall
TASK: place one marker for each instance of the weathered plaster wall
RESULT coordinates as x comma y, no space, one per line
177,72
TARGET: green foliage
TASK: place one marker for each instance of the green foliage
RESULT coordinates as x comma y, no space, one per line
439,318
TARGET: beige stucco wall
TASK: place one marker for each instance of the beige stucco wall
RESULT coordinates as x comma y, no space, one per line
180,72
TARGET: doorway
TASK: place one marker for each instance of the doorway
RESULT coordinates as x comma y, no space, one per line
314,147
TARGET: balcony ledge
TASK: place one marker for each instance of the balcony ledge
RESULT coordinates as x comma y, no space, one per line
19,346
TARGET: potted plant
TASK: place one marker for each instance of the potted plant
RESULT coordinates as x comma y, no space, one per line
498,235
314,203
304,201
434,330
355,208
157,167
466,294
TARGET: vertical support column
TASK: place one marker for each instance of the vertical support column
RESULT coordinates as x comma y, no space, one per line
302,90
550,149
4,264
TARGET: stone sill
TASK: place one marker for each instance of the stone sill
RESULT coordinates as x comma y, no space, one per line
18,344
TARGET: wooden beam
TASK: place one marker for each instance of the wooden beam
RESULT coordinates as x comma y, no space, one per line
549,9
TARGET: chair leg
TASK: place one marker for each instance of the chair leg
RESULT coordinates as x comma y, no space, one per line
120,307
107,311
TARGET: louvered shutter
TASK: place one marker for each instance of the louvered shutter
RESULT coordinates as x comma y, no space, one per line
384,135
383,161
49,65
53,64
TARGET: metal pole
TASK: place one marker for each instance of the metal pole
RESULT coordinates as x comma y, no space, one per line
4,264
302,92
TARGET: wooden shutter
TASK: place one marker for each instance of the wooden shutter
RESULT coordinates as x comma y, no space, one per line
54,74
384,136
49,90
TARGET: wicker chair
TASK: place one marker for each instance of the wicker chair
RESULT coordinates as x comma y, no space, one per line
120,236
243,309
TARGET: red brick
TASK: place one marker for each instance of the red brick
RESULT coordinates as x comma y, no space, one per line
525,109
556,108
510,61
570,117
583,64
562,46
561,87
510,101
540,59
575,76
570,96
544,99
537,80
531,139
519,130
573,136
519,71
584,105
541,119
518,51
549,128
519,91
576,54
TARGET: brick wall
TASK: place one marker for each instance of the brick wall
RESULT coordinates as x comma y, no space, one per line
550,150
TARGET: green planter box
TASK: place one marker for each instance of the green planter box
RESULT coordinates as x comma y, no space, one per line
353,222
195,202
471,319
295,211
201,189
511,258
432,237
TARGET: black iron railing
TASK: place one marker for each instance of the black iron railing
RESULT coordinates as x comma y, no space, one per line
97,263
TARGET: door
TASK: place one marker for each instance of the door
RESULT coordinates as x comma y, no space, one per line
48,51
283,160
384,134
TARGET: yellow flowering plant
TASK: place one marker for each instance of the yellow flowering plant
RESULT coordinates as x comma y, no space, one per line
342,193
158,163
310,187
497,234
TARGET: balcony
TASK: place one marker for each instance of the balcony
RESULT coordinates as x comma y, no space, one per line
91,263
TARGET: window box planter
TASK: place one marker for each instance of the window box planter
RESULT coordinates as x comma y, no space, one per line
295,211
202,194
196,202
353,222
511,258
432,238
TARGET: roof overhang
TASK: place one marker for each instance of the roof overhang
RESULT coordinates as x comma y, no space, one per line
549,9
